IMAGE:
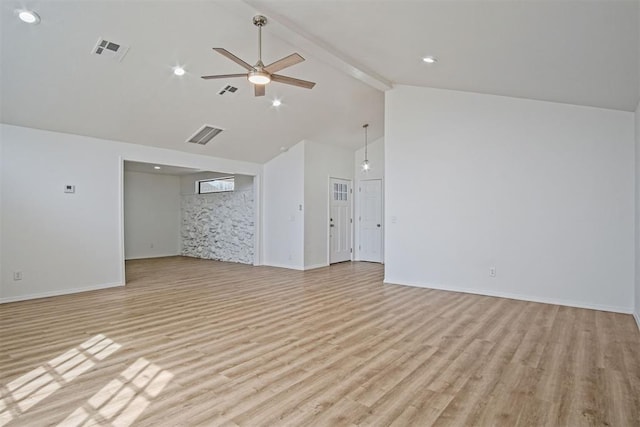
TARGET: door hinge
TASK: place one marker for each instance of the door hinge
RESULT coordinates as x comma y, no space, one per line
351,220
359,247
351,250
350,191
359,189
359,218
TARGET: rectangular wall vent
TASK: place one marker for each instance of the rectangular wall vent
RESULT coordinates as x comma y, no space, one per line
109,49
204,135
228,88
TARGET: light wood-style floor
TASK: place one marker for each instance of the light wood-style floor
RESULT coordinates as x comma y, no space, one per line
195,342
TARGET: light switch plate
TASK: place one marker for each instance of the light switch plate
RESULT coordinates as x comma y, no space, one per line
69,188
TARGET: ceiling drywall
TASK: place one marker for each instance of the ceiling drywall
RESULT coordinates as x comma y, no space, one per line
50,79
131,166
579,52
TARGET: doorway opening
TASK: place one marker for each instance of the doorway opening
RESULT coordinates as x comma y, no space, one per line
177,211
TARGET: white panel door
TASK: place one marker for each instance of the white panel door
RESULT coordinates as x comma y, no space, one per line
339,220
371,220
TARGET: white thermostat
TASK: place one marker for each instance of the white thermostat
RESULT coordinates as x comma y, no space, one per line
69,188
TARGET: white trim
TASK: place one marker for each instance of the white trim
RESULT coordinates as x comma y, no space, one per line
60,292
121,254
314,266
636,316
257,223
568,303
290,267
296,267
152,256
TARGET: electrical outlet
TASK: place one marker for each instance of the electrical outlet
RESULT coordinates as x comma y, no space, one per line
17,275
492,271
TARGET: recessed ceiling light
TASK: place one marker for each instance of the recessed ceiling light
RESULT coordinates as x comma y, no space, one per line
28,16
157,167
178,71
276,103
430,59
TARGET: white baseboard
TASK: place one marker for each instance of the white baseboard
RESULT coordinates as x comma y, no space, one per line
151,256
314,266
636,315
296,267
59,292
290,267
555,301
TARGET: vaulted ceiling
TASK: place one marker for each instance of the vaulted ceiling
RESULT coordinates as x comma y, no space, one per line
579,52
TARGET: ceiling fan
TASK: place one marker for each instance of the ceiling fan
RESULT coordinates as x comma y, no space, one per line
260,74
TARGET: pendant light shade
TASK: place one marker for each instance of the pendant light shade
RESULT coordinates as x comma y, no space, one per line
365,163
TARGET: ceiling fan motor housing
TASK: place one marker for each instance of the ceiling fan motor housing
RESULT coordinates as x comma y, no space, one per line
259,21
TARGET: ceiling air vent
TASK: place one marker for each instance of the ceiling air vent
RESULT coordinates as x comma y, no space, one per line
109,49
228,88
204,135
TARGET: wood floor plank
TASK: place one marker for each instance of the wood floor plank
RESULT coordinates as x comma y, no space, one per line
200,342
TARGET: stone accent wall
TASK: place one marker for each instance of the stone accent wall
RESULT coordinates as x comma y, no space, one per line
219,226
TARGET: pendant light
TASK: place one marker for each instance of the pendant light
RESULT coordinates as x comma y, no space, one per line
365,163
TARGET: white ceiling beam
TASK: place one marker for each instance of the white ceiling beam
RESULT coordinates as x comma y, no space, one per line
288,31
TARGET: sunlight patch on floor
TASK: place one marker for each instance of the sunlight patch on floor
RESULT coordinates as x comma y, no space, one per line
123,399
23,393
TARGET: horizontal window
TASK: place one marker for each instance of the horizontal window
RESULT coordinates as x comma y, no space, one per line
216,185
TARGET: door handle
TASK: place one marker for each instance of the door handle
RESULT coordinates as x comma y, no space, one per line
378,225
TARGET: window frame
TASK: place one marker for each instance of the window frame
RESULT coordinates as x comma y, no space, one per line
231,179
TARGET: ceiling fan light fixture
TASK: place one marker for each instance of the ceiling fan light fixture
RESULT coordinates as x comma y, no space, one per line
430,59
259,77
365,166
259,74
29,16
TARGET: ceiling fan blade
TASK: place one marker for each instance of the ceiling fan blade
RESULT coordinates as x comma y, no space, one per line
223,76
283,63
291,81
258,90
231,56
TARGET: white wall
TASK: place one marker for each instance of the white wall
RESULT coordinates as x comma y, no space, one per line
1,211
283,209
151,215
637,257
376,160
71,242
542,191
321,162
